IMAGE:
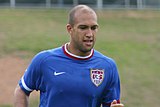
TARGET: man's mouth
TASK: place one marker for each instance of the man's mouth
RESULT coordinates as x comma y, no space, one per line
88,42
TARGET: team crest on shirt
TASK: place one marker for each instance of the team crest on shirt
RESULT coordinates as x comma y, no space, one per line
97,76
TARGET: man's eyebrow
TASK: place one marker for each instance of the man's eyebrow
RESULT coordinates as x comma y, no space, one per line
83,25
96,25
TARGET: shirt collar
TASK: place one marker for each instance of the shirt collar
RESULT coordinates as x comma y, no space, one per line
66,52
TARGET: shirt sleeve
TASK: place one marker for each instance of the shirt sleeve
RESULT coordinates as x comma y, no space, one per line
31,80
112,92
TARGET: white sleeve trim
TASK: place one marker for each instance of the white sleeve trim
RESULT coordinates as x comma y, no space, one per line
25,86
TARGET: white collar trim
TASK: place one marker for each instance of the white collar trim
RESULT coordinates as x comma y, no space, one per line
76,56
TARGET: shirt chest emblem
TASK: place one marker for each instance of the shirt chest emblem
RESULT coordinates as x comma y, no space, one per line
97,76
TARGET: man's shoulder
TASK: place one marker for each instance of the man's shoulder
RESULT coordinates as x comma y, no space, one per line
47,53
100,55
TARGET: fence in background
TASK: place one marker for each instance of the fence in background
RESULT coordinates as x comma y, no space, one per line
114,4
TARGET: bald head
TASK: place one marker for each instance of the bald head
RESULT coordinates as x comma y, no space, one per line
79,10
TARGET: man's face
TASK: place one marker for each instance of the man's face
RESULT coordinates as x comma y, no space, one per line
83,32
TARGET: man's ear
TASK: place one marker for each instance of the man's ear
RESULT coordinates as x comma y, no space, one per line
69,28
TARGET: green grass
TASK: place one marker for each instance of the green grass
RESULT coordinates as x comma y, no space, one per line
130,37
31,30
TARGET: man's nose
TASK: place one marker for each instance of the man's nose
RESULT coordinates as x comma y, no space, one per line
89,32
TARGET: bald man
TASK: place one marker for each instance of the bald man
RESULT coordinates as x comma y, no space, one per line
75,74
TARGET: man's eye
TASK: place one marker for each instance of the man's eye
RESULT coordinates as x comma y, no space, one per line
93,27
83,27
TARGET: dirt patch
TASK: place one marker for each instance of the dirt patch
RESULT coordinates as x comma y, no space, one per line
12,68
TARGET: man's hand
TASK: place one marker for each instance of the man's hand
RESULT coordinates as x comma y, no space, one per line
115,104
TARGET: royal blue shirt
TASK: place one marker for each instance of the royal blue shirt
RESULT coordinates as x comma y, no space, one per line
67,80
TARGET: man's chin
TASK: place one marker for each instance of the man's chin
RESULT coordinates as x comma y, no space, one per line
86,50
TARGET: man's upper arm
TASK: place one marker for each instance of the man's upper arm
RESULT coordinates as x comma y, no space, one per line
20,98
112,91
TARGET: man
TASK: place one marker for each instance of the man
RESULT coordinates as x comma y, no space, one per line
74,75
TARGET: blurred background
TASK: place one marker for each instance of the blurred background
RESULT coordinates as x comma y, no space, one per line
129,32
136,4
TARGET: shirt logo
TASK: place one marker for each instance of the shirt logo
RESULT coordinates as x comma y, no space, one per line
58,73
97,76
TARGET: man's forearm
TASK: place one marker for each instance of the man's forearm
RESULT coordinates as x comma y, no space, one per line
20,98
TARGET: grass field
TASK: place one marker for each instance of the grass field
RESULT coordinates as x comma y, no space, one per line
131,37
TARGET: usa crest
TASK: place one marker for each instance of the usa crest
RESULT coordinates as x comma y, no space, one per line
97,76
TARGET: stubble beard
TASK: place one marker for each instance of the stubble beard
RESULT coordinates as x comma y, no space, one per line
84,49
